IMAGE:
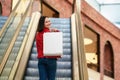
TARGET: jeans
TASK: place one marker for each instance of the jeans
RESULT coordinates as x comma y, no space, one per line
47,68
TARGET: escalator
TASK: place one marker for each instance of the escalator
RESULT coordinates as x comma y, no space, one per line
12,57
16,68
64,68
2,21
8,35
10,29
11,40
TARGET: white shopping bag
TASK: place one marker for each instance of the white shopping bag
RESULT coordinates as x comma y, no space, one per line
53,44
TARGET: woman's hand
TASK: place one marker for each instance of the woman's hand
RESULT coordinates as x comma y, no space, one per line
54,30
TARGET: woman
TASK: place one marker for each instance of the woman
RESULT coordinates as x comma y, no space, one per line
46,64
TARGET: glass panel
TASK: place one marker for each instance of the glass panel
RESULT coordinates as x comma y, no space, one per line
91,48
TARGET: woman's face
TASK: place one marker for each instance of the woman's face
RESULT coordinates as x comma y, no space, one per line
47,23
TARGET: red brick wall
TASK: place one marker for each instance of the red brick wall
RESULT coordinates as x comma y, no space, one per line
107,32
6,7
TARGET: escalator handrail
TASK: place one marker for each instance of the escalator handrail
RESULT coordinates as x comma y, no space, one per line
27,46
83,73
11,44
75,64
16,63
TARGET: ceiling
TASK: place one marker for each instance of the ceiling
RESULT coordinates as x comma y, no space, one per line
109,9
108,1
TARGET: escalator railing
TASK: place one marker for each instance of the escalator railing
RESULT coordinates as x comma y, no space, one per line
80,39
8,68
26,46
14,30
75,65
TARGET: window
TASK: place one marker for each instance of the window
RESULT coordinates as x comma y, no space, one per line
91,42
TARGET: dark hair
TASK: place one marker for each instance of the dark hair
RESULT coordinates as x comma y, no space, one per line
41,23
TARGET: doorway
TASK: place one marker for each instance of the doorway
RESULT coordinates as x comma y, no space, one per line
108,60
0,9
47,10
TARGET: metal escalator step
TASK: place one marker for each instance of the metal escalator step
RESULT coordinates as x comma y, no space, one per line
60,72
60,64
10,63
32,72
6,71
1,51
22,33
3,78
33,57
31,78
67,35
60,26
33,64
15,49
5,40
66,45
63,73
3,17
64,65
66,40
66,51
18,43
3,45
37,78
13,56
63,58
34,50
69,78
60,20
2,21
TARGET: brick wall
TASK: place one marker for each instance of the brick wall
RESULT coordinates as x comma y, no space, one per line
6,7
107,32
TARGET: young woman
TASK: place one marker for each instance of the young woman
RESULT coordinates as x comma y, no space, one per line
46,64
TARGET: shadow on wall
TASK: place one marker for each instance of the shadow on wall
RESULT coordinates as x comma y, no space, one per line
0,8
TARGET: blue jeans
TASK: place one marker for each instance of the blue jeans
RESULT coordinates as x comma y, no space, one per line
47,68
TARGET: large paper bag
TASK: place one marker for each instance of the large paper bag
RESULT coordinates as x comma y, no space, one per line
53,44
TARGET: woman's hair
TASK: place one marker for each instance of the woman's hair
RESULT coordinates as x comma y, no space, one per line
41,23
